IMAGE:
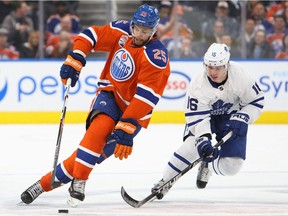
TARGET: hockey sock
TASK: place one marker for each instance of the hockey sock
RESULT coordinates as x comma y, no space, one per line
92,145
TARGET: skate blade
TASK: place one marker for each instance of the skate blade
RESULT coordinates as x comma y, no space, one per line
73,202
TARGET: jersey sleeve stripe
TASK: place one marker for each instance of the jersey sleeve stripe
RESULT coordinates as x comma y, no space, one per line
148,89
257,105
102,82
194,122
147,94
90,35
145,100
261,99
197,113
79,52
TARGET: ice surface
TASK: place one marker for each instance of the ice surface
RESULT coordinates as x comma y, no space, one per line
261,188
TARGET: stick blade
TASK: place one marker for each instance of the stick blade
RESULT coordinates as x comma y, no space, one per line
128,199
135,203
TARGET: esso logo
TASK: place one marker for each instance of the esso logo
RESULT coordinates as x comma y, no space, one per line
176,86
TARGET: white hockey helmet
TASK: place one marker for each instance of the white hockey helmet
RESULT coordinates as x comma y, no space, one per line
217,55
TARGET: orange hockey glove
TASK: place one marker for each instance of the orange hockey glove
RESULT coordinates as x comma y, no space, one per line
124,134
71,67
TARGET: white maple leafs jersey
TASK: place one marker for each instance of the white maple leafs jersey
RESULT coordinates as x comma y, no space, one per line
240,93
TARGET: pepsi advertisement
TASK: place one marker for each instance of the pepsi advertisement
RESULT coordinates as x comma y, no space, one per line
35,86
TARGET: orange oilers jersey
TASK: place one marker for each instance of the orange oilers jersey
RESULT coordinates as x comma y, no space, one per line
136,75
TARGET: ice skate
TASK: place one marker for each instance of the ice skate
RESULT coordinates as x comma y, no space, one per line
77,192
29,195
163,192
203,175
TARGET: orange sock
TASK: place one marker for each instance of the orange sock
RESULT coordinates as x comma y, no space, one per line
81,162
92,145
65,167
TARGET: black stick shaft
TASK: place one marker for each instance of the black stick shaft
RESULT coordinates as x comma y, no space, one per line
53,183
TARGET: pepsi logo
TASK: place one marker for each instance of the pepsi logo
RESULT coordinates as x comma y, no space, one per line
3,90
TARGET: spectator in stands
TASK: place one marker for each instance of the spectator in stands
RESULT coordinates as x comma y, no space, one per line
6,7
284,52
258,13
217,32
249,30
196,12
167,20
52,44
58,46
167,32
260,48
186,49
65,44
275,36
30,49
18,24
6,51
285,14
232,45
53,24
275,8
221,14
165,10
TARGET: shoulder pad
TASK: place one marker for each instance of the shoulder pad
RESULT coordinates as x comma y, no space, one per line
157,53
122,25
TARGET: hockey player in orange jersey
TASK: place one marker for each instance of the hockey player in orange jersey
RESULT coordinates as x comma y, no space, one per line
130,86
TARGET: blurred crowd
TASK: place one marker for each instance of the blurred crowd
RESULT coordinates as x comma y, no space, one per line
251,29
260,34
20,34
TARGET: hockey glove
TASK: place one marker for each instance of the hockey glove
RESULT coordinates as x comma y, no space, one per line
238,123
124,134
205,149
71,67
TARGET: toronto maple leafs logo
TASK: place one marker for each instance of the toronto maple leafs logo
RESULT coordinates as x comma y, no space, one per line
220,107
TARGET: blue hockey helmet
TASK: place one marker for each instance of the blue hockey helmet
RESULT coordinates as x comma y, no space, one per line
146,16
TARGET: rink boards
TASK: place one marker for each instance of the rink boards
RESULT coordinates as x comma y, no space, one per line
31,91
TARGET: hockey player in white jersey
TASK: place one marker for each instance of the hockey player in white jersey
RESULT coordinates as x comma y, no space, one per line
221,99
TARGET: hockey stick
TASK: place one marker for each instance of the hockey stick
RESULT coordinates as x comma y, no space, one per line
53,183
136,204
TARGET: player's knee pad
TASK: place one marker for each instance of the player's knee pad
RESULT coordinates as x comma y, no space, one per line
228,166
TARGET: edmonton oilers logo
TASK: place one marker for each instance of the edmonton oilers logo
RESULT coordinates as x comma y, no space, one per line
122,66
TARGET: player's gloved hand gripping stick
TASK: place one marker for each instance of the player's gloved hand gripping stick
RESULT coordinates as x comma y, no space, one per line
69,73
123,134
72,67
54,183
136,204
